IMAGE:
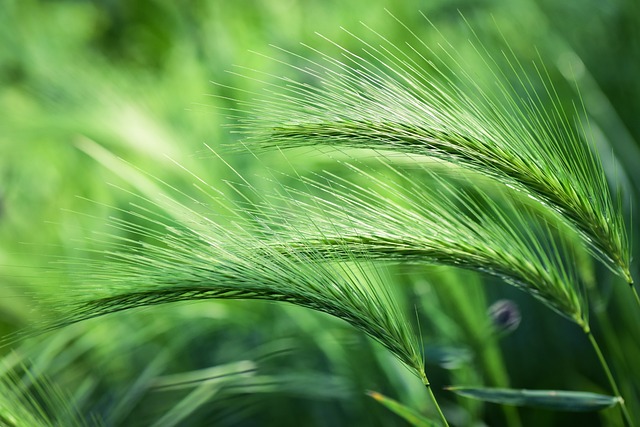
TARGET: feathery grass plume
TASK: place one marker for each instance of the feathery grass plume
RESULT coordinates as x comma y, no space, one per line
160,260
423,218
396,217
183,254
426,100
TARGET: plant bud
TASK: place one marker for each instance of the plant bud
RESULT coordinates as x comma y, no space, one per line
505,316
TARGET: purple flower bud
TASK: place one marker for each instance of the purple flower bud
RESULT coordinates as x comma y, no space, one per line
505,316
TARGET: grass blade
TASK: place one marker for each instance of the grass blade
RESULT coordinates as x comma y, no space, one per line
411,416
30,400
571,401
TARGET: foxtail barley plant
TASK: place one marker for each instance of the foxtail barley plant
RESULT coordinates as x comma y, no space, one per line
433,172
423,100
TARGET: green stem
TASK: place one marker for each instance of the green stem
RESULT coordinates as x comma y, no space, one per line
617,355
612,381
427,384
635,293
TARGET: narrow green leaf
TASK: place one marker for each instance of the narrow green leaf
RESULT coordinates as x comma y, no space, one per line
211,374
410,415
573,401
194,400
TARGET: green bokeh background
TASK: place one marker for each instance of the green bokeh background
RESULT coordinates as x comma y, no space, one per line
82,82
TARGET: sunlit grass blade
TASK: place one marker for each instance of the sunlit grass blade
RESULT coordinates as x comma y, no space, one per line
205,385
199,396
424,100
411,416
211,374
32,400
571,401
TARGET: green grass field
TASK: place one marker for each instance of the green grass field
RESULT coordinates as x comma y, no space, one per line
319,213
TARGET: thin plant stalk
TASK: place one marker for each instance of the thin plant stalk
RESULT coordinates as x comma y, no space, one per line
617,354
635,294
614,386
427,384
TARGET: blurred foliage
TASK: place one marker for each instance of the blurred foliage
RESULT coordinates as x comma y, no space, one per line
134,77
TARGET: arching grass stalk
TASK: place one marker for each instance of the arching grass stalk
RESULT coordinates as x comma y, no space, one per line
158,260
426,101
423,218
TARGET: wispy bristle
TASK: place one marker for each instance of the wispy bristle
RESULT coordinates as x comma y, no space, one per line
424,100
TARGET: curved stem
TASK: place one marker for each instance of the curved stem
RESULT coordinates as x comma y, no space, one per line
427,384
612,381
